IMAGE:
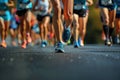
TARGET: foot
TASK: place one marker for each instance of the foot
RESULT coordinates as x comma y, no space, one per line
59,48
81,42
117,40
66,34
69,42
3,44
76,45
24,44
44,44
14,43
108,42
29,39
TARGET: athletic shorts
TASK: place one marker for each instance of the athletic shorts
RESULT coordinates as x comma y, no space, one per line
118,15
51,16
6,16
21,12
118,12
81,12
111,6
62,11
15,27
41,17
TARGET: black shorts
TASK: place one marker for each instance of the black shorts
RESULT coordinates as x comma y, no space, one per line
40,17
110,6
21,12
118,15
62,11
81,12
51,17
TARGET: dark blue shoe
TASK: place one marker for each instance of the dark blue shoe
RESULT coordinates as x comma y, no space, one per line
45,42
79,41
43,45
59,48
76,45
117,40
66,34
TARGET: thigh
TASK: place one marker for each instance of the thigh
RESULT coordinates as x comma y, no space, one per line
46,20
68,6
28,16
57,8
105,15
75,19
117,23
112,16
55,3
7,24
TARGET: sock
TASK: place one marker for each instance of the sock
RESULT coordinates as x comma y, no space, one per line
106,30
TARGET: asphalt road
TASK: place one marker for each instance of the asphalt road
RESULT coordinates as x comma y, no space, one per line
92,62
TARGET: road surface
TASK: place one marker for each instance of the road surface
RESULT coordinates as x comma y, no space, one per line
92,62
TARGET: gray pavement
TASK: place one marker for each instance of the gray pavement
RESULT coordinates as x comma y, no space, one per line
92,62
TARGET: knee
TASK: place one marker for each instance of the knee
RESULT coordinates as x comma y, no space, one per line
3,28
76,25
68,16
106,21
112,23
44,26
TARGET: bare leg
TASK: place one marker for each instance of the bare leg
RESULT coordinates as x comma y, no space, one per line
57,20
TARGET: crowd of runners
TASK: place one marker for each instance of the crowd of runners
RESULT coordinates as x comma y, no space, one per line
55,22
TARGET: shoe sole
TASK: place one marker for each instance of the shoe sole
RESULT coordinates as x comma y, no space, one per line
23,47
59,51
76,46
3,46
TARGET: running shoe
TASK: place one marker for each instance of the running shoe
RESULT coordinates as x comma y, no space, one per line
76,44
14,43
69,42
45,42
59,48
3,44
43,45
66,34
117,40
108,42
80,42
19,42
24,44
29,39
